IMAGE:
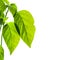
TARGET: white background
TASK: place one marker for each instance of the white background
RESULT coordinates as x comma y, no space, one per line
46,44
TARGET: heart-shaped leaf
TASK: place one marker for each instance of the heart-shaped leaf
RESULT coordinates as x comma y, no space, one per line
25,23
11,36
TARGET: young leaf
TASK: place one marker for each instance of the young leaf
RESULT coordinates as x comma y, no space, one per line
1,53
13,9
11,36
25,23
2,6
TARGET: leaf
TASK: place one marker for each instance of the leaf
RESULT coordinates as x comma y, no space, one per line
13,9
1,14
6,1
11,36
1,53
2,18
2,6
5,19
25,23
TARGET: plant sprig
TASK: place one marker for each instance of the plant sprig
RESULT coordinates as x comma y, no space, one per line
22,27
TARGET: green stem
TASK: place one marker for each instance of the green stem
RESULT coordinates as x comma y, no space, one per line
1,39
6,13
1,34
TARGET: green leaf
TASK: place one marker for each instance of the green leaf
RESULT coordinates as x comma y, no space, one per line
11,36
2,18
5,19
13,9
25,23
1,53
6,1
2,6
1,14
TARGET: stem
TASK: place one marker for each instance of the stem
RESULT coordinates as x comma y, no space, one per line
6,13
1,39
1,34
